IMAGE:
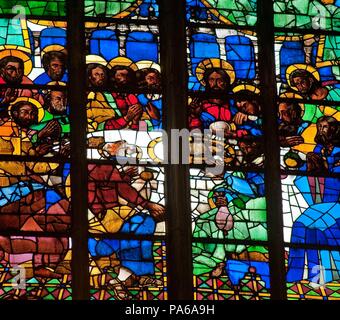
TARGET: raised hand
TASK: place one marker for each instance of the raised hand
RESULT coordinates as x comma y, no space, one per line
52,130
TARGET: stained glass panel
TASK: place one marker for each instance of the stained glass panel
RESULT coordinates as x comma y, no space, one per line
134,101
307,14
127,269
41,8
313,274
34,197
309,137
307,66
35,268
235,12
233,51
132,9
127,200
222,274
38,51
311,210
231,206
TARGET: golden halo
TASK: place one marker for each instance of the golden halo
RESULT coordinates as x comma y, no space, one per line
305,67
147,64
214,63
93,58
151,150
246,87
28,66
54,47
293,95
41,111
122,61
56,83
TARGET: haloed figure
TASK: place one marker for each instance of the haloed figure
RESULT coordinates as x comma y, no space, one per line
24,114
203,112
11,70
307,85
96,75
54,63
55,102
291,124
217,80
123,77
326,155
149,78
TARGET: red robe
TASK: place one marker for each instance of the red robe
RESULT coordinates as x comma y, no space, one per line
124,102
105,184
220,112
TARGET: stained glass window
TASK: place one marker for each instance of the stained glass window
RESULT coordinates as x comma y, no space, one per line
307,73
304,14
124,111
228,208
35,196
247,64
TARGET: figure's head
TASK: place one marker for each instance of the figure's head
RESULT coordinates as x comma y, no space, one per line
149,78
247,103
123,76
328,131
24,114
54,63
56,102
216,80
303,80
12,70
290,112
251,149
97,75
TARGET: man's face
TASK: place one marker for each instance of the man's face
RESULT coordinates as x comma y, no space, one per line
250,150
56,69
13,73
152,79
324,131
121,77
26,116
58,102
98,77
248,107
303,84
284,112
216,82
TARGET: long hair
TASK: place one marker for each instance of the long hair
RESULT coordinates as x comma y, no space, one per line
52,55
334,131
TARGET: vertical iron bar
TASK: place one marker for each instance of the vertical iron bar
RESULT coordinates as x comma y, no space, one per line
266,62
174,71
78,120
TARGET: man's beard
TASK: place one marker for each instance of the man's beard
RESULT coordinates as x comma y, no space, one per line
23,124
216,90
56,77
288,130
11,80
322,139
58,109
97,84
